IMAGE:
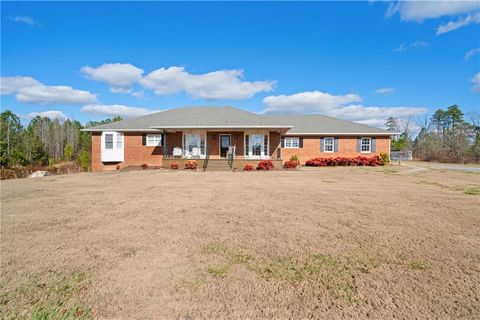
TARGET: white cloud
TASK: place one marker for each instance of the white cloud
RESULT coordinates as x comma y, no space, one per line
223,84
476,83
385,90
307,102
472,53
24,19
462,22
119,76
29,90
54,95
422,10
340,106
52,114
116,110
10,85
406,46
375,115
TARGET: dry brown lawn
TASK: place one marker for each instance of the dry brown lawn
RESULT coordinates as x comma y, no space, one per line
325,243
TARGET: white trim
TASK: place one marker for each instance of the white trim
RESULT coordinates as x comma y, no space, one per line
220,141
114,154
261,133
291,147
200,133
158,144
369,145
120,130
324,145
221,127
354,134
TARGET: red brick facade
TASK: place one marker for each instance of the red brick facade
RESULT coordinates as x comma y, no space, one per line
347,147
136,154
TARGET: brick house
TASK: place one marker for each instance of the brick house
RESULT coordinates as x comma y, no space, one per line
227,136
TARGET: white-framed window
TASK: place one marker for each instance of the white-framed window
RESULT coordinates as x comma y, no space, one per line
292,142
119,141
365,145
256,144
109,141
194,140
328,145
154,140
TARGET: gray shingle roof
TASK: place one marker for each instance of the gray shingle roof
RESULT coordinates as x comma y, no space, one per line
320,124
230,117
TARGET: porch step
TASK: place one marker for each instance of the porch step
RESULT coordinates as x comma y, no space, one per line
217,165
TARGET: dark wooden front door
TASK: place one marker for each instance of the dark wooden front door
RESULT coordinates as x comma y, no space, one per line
224,144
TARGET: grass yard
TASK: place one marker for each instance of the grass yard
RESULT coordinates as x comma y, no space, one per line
350,242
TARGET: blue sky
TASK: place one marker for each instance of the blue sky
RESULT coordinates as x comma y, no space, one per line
361,61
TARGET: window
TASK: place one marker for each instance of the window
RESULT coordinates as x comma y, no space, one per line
292,142
154,140
328,144
119,140
192,142
256,144
109,141
365,145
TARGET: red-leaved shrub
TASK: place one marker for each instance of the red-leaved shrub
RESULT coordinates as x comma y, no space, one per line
174,166
248,167
117,167
344,161
191,164
144,166
290,164
265,165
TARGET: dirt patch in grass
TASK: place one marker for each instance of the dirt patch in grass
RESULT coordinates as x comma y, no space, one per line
327,243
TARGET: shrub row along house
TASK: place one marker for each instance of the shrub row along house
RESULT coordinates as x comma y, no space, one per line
227,137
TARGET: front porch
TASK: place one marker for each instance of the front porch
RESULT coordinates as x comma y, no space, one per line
237,164
251,144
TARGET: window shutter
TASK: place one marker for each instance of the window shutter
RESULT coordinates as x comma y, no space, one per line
283,142
374,145
300,142
144,139
322,145
164,142
246,145
335,145
359,144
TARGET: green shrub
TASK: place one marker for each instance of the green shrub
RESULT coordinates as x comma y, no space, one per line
68,152
295,158
84,160
384,159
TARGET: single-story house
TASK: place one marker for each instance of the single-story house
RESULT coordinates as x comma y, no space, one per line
228,136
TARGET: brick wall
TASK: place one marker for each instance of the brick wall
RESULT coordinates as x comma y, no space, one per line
135,153
347,147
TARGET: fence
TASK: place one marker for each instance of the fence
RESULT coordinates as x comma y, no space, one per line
401,155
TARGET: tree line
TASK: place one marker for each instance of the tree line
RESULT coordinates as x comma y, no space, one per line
445,136
44,141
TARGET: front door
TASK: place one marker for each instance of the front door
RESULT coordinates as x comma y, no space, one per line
224,144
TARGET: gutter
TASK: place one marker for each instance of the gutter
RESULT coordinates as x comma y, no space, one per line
340,134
